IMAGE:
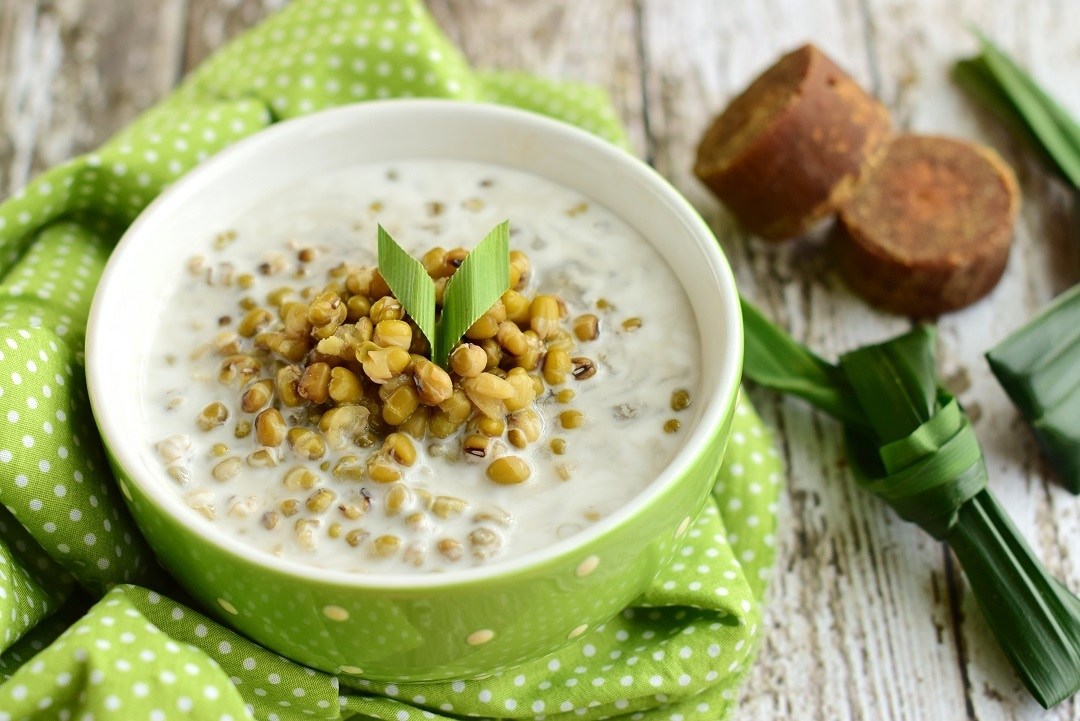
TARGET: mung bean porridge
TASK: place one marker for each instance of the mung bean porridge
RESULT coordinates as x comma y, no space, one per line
292,403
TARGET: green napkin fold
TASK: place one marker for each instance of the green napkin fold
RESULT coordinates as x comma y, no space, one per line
91,627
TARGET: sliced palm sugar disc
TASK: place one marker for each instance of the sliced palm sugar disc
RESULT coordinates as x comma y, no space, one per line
930,230
792,146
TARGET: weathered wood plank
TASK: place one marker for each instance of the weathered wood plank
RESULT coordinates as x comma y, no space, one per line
862,619
1044,261
67,84
594,42
858,621
1040,266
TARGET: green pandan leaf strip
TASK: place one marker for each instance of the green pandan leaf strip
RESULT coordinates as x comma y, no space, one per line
475,286
1035,104
410,283
775,360
994,78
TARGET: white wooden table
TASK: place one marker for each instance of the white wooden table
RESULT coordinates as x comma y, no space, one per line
868,618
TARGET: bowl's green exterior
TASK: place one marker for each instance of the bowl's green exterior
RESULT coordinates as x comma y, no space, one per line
454,629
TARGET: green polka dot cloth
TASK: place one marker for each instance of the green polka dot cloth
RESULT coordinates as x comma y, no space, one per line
91,628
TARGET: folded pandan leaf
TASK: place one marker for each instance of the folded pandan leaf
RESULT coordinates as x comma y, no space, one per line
1039,367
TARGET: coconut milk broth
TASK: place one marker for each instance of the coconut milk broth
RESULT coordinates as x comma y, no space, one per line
579,251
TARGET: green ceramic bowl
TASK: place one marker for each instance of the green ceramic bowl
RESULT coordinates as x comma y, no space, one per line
408,627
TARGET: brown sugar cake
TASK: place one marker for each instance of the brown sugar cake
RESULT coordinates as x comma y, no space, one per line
792,147
930,230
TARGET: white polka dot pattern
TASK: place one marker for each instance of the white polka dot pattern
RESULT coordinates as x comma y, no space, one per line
678,654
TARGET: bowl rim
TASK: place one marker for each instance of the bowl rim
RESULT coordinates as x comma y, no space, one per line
293,131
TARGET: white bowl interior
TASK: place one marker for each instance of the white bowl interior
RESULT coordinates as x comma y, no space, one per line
141,272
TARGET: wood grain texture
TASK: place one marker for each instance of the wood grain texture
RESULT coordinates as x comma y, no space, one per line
596,42
67,84
868,618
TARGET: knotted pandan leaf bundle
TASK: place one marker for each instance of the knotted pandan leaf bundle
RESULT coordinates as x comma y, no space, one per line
910,443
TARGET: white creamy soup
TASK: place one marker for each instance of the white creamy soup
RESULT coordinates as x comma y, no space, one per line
601,431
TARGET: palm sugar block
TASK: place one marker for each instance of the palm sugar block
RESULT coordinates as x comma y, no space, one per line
793,146
930,230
